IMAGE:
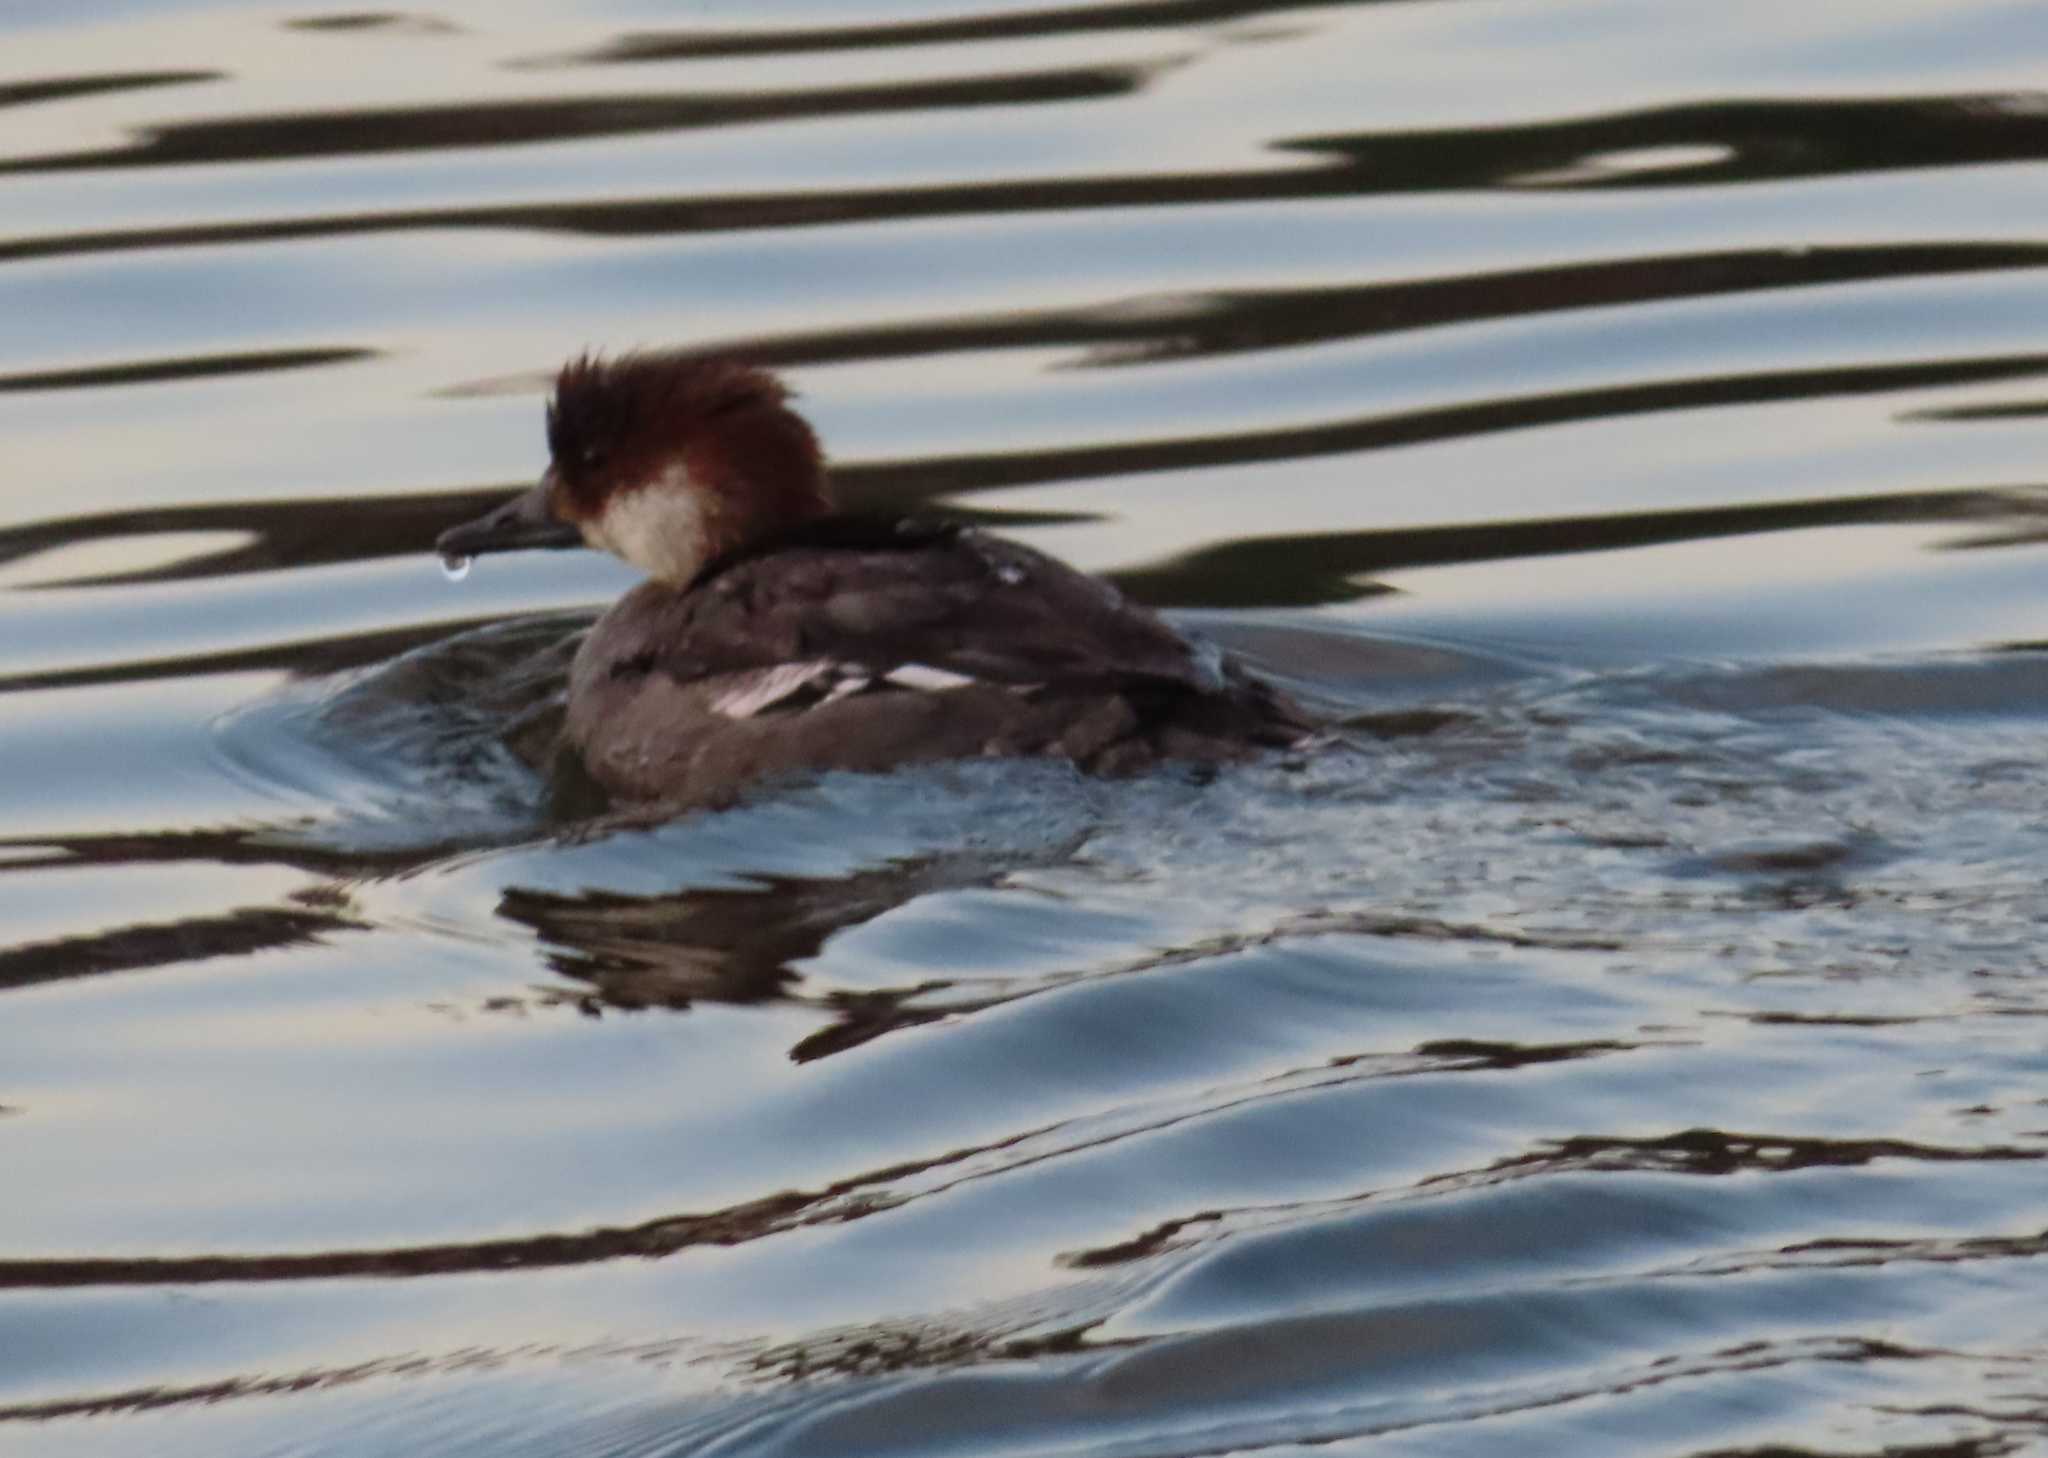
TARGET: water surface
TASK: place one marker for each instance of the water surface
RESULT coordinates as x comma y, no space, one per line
1624,417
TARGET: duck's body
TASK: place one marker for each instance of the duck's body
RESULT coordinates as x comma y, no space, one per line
790,639
864,645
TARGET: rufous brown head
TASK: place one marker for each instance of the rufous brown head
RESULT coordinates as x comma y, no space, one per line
667,460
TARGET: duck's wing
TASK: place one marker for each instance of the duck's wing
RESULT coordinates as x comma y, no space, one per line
933,612
864,656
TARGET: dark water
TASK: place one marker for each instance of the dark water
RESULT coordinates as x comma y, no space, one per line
1629,416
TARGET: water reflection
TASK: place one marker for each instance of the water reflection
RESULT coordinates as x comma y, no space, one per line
632,953
66,88
140,948
1758,142
1600,1047
996,26
145,372
505,124
1306,569
310,532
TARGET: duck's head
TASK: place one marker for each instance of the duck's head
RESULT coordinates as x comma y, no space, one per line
667,460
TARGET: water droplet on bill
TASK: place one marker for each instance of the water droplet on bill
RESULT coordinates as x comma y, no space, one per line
454,566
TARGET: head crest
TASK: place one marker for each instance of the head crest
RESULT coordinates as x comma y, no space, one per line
604,410
671,458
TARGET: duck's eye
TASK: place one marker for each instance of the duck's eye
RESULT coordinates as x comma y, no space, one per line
590,458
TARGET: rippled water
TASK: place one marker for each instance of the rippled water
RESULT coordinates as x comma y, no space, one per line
1625,417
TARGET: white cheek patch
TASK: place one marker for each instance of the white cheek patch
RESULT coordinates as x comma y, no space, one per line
659,527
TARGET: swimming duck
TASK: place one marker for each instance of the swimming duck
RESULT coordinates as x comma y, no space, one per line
774,635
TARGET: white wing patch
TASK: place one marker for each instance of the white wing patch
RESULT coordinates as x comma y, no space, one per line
923,676
821,680
1206,659
752,693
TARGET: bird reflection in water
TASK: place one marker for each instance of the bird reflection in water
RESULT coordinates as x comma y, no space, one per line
632,953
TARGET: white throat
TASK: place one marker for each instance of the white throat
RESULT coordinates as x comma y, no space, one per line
659,528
